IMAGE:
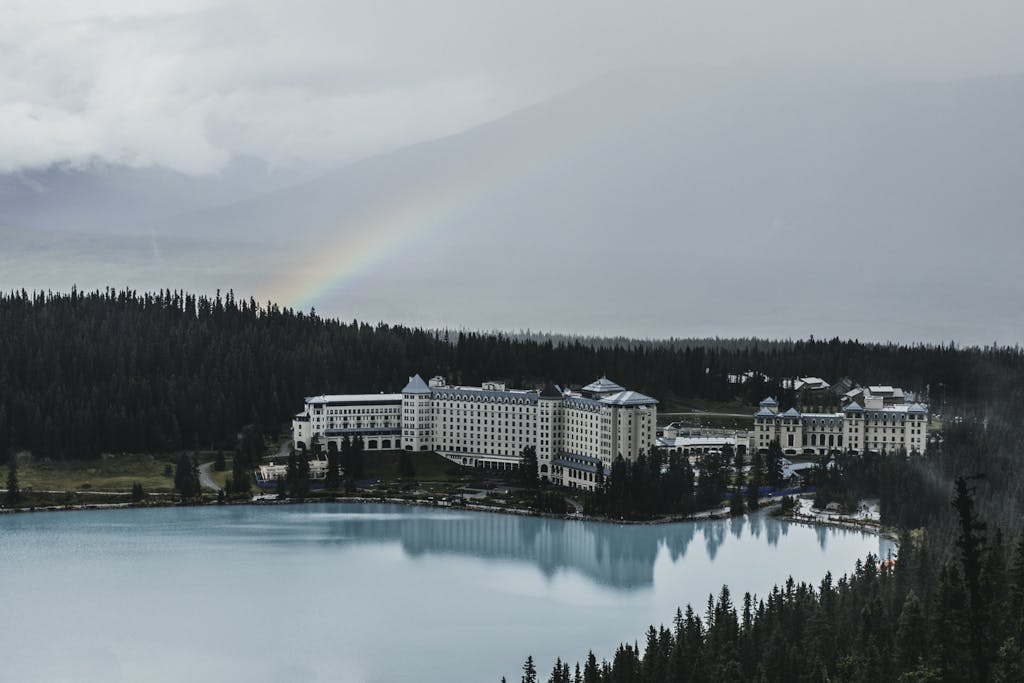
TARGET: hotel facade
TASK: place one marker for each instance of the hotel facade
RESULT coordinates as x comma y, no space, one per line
885,423
574,432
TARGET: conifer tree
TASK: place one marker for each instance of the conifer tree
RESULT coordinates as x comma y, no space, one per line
756,478
736,502
773,465
528,468
13,495
240,478
971,543
529,671
358,466
332,481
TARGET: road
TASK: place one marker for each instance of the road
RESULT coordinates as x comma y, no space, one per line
204,477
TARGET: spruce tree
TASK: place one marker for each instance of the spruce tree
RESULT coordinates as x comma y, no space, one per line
756,478
529,671
736,503
909,650
358,466
241,480
332,481
773,465
528,468
13,495
971,543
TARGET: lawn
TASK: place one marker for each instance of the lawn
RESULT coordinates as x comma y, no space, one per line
114,473
429,466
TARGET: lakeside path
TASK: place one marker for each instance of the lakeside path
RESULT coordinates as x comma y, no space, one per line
204,477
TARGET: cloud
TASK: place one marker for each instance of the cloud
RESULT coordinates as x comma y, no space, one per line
190,84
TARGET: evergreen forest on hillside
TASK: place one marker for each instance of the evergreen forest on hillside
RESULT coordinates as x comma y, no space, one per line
83,373
948,607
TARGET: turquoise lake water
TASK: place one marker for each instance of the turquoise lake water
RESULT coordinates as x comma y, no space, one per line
365,593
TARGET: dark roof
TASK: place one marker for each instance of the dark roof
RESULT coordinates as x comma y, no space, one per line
550,391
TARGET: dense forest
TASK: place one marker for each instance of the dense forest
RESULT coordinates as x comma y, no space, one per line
119,371
948,607
82,373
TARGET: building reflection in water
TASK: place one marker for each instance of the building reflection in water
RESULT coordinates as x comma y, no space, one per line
616,556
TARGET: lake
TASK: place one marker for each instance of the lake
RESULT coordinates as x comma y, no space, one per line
365,593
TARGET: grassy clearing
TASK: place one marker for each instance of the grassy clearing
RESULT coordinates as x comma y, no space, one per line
429,466
112,474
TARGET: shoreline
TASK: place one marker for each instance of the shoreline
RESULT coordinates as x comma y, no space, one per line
706,515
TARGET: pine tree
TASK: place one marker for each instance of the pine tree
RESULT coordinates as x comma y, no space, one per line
13,495
241,480
529,671
773,465
971,543
298,484
756,479
528,467
909,630
333,479
358,467
736,504
219,463
186,477
250,447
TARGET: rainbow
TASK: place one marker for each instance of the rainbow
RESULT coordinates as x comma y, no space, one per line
336,266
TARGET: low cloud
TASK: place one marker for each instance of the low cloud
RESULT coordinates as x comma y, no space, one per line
191,84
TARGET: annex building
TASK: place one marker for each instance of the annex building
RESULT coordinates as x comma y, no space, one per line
884,423
488,427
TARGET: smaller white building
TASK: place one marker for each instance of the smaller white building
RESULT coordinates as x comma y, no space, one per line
324,420
885,424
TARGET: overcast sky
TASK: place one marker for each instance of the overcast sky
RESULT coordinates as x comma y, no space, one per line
188,84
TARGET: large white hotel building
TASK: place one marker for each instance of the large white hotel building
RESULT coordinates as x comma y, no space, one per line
489,426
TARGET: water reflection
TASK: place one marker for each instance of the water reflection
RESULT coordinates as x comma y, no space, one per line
617,556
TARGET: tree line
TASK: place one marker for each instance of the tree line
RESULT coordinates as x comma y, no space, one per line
83,373
948,607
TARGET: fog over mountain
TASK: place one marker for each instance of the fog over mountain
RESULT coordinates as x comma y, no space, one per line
659,202
790,170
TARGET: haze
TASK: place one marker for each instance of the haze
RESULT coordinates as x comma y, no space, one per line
672,169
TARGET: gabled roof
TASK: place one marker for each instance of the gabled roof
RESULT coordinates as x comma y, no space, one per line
764,412
853,406
791,413
769,402
603,386
416,385
550,391
917,408
629,398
